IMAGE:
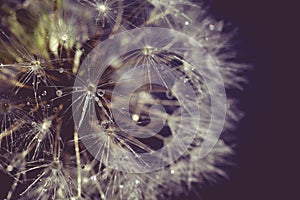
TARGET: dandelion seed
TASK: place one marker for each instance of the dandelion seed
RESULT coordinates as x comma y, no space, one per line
31,70
13,118
106,12
53,182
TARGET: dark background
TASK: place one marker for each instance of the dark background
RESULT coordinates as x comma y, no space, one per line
265,165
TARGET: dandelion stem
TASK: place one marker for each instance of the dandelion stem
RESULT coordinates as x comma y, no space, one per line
78,164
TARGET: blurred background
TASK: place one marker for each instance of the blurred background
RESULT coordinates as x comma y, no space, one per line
263,166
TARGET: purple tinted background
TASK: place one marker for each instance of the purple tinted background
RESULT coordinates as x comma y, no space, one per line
263,163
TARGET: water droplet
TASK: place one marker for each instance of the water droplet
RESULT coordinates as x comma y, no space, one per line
64,37
135,117
211,27
93,178
43,107
169,94
61,70
9,168
55,109
101,92
105,124
185,80
44,93
59,93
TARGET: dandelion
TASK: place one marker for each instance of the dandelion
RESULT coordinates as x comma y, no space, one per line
114,99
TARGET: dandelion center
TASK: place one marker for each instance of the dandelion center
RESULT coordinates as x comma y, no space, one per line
56,165
91,88
36,65
101,8
147,50
45,126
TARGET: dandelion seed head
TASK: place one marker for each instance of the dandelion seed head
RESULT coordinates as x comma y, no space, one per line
140,103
